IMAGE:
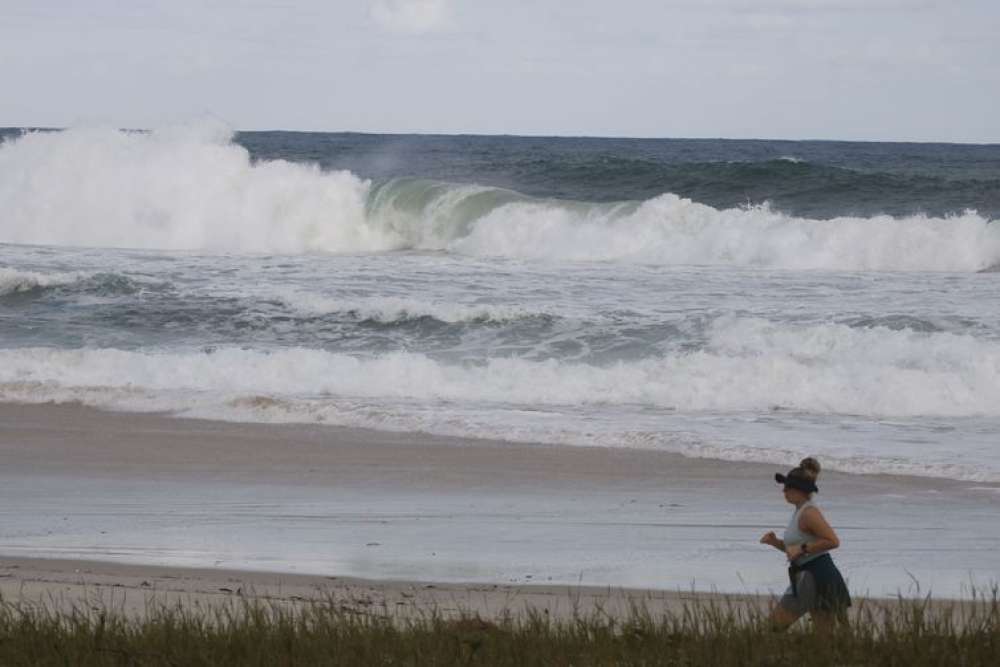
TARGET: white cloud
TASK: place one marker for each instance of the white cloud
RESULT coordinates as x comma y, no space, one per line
411,16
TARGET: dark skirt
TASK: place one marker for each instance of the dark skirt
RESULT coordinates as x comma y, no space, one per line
828,591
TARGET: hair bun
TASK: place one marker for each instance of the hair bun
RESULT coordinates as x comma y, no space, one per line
810,467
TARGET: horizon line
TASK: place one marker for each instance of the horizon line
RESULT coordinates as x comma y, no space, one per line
611,137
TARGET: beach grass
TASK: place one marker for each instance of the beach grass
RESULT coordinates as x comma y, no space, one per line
326,632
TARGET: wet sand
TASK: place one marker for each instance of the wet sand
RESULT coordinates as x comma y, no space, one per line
400,511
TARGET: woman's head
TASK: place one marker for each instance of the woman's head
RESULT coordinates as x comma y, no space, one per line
800,482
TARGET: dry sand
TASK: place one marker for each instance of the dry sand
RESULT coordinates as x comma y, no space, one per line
132,589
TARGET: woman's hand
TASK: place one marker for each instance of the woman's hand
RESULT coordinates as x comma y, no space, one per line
769,539
794,551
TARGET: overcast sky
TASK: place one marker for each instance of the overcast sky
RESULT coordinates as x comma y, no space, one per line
924,70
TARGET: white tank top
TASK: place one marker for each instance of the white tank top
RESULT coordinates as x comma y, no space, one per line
794,535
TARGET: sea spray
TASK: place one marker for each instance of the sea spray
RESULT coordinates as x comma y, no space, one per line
174,191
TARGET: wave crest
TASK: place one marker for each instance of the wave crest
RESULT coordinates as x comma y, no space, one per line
391,310
176,191
13,281
198,190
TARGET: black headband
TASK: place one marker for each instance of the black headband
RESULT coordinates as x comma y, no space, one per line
796,482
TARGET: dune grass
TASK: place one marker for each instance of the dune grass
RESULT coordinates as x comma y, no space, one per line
252,632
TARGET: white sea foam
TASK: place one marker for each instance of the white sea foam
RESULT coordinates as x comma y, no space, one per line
192,188
672,230
181,188
750,365
13,281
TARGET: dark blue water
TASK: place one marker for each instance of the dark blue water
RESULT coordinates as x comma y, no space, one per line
816,179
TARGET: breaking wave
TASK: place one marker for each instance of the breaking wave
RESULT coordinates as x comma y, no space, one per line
14,282
390,310
194,189
20,282
746,365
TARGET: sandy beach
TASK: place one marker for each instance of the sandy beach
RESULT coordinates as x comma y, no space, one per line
133,589
132,504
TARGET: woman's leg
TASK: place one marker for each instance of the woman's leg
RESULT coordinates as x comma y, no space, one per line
782,618
795,602
790,608
823,621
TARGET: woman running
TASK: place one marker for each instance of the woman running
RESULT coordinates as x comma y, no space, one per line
816,584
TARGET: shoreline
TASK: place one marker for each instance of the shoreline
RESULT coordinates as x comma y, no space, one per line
158,490
307,440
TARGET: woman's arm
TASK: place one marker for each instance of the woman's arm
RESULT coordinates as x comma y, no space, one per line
812,521
772,539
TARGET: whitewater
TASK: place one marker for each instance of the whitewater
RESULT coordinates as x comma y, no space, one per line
193,189
210,275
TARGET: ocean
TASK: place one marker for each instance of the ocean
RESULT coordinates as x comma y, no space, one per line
739,300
